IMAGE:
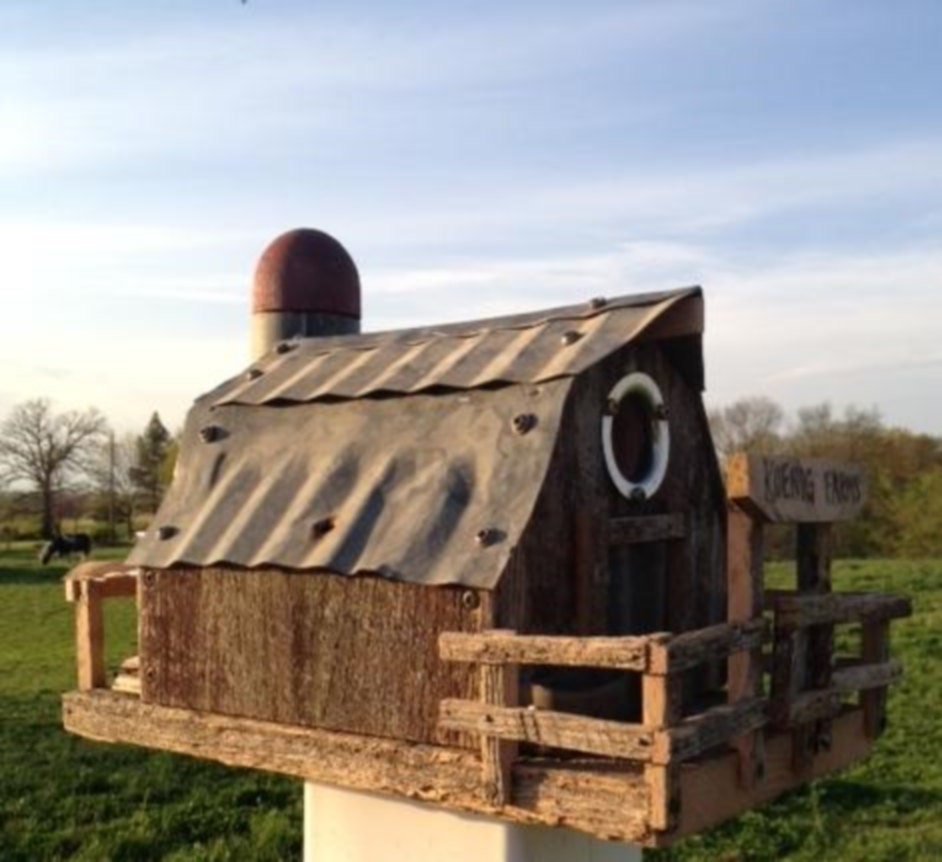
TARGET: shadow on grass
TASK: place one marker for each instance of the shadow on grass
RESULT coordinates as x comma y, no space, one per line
854,797
15,572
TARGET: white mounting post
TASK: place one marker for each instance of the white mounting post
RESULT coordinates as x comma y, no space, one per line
351,826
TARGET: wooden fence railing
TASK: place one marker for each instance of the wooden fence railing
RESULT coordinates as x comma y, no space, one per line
87,586
796,617
662,739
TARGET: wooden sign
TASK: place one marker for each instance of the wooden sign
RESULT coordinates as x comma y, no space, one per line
796,490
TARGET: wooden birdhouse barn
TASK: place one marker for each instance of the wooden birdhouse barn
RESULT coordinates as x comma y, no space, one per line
492,565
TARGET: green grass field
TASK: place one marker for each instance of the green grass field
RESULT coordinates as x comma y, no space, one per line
65,798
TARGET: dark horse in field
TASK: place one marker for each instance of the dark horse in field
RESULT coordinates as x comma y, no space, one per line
61,546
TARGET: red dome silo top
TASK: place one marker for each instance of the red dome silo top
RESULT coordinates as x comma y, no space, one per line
306,270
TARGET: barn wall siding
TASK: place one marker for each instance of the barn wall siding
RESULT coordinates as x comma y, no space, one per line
342,653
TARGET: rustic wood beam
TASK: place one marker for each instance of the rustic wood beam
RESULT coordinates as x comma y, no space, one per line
711,793
794,610
548,728
500,686
709,729
690,649
818,704
745,560
875,647
606,799
647,528
795,490
90,637
496,647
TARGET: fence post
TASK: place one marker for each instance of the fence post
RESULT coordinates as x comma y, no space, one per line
744,567
89,636
662,707
499,687
813,560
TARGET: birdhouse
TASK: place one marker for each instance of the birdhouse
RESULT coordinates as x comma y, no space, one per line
492,565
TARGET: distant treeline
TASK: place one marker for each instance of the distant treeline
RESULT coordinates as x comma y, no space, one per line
62,470
69,468
903,515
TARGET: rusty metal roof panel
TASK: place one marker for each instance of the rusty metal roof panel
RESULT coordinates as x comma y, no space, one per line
528,348
432,489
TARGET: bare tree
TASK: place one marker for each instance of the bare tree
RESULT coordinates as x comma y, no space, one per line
46,450
750,424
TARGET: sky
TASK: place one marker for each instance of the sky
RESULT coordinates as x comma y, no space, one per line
475,159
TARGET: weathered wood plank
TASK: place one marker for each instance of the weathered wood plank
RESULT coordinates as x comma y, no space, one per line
500,686
813,564
495,647
793,490
609,800
275,646
711,792
875,647
788,661
116,579
744,577
866,676
699,733
646,528
661,700
818,704
553,729
90,637
795,610
694,648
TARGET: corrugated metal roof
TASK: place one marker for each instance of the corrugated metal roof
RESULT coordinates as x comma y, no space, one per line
303,472
399,487
528,348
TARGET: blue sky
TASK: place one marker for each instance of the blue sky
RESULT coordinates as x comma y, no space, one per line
474,158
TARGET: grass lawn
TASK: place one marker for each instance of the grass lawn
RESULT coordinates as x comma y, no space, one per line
65,798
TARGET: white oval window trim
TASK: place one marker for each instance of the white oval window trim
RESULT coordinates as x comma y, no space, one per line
638,383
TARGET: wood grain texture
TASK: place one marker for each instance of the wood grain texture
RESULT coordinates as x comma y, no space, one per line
500,686
875,647
502,647
796,490
690,649
711,793
793,610
609,800
646,528
114,579
744,572
709,729
311,649
553,729
90,637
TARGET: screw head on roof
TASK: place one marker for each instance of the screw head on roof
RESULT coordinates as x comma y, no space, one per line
486,537
165,531
571,336
597,302
254,373
322,527
524,422
285,347
211,433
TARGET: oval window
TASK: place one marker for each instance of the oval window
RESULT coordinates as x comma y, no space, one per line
635,436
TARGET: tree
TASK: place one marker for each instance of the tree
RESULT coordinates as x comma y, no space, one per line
153,447
749,425
47,450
